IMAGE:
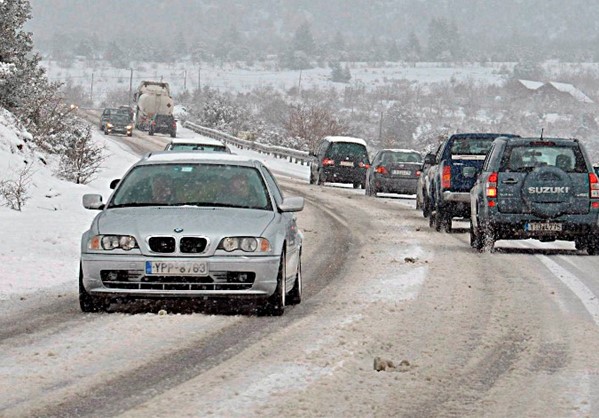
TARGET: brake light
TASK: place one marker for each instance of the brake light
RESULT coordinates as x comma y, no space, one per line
446,178
381,169
328,161
418,173
363,165
593,186
492,186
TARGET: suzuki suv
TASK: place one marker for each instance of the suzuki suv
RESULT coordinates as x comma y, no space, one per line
340,159
536,188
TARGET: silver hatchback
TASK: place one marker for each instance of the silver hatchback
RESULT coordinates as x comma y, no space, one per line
187,225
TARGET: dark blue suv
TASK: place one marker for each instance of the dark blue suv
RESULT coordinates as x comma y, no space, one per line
457,164
536,188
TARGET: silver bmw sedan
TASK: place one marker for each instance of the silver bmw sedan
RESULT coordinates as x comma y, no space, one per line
193,225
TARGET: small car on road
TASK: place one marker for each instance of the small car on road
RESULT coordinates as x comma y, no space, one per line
394,171
203,143
536,188
193,225
339,159
118,123
163,124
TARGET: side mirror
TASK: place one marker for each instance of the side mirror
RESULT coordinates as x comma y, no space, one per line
93,201
114,183
292,204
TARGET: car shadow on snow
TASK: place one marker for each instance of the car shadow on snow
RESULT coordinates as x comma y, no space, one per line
183,306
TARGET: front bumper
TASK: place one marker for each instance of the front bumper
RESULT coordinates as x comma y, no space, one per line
228,276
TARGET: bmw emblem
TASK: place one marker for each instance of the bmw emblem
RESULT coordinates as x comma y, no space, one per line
178,230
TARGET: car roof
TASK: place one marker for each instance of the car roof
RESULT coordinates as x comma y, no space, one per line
165,157
482,135
539,140
399,150
345,139
197,141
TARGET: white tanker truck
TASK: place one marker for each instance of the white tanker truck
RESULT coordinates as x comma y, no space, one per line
151,97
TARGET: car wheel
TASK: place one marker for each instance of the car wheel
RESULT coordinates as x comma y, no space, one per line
294,297
446,222
90,303
426,206
105,131
130,134
151,132
311,178
173,135
418,204
275,304
487,237
356,184
593,247
320,178
437,216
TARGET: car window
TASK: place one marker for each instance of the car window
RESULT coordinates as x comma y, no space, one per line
343,149
192,184
274,186
199,147
471,146
523,158
401,157
120,118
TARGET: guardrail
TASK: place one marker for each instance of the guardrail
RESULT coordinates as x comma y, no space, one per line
293,155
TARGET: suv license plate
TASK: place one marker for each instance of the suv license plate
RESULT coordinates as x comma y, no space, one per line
346,163
541,227
177,268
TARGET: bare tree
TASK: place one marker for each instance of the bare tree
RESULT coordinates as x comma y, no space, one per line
310,123
82,158
14,192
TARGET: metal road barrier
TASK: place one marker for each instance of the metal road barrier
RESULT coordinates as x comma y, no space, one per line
293,155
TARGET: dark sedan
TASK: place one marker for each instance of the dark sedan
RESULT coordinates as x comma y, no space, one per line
394,171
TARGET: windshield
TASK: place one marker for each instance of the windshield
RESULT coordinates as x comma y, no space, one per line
528,157
193,184
198,147
471,146
120,119
401,157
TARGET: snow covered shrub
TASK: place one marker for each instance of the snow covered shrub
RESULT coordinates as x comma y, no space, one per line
82,158
14,192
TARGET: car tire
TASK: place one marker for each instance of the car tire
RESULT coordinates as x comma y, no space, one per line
487,238
426,206
173,135
294,297
105,131
593,247
437,216
311,178
320,178
90,303
475,239
151,132
130,134
275,303
356,184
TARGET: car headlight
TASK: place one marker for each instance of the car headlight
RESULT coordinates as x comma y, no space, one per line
109,125
112,242
247,244
129,127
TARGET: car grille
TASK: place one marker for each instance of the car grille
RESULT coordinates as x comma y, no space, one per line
162,244
192,245
137,280
187,245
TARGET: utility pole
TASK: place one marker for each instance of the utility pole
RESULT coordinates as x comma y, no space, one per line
91,92
199,78
381,127
185,80
299,84
131,87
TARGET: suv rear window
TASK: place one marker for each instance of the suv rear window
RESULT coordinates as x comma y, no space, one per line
524,158
164,118
344,149
471,146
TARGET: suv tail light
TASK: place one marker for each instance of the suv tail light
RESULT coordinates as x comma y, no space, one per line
328,161
492,187
381,169
363,165
593,187
446,178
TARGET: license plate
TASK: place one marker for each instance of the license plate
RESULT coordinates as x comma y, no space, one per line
541,227
401,172
177,268
346,163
